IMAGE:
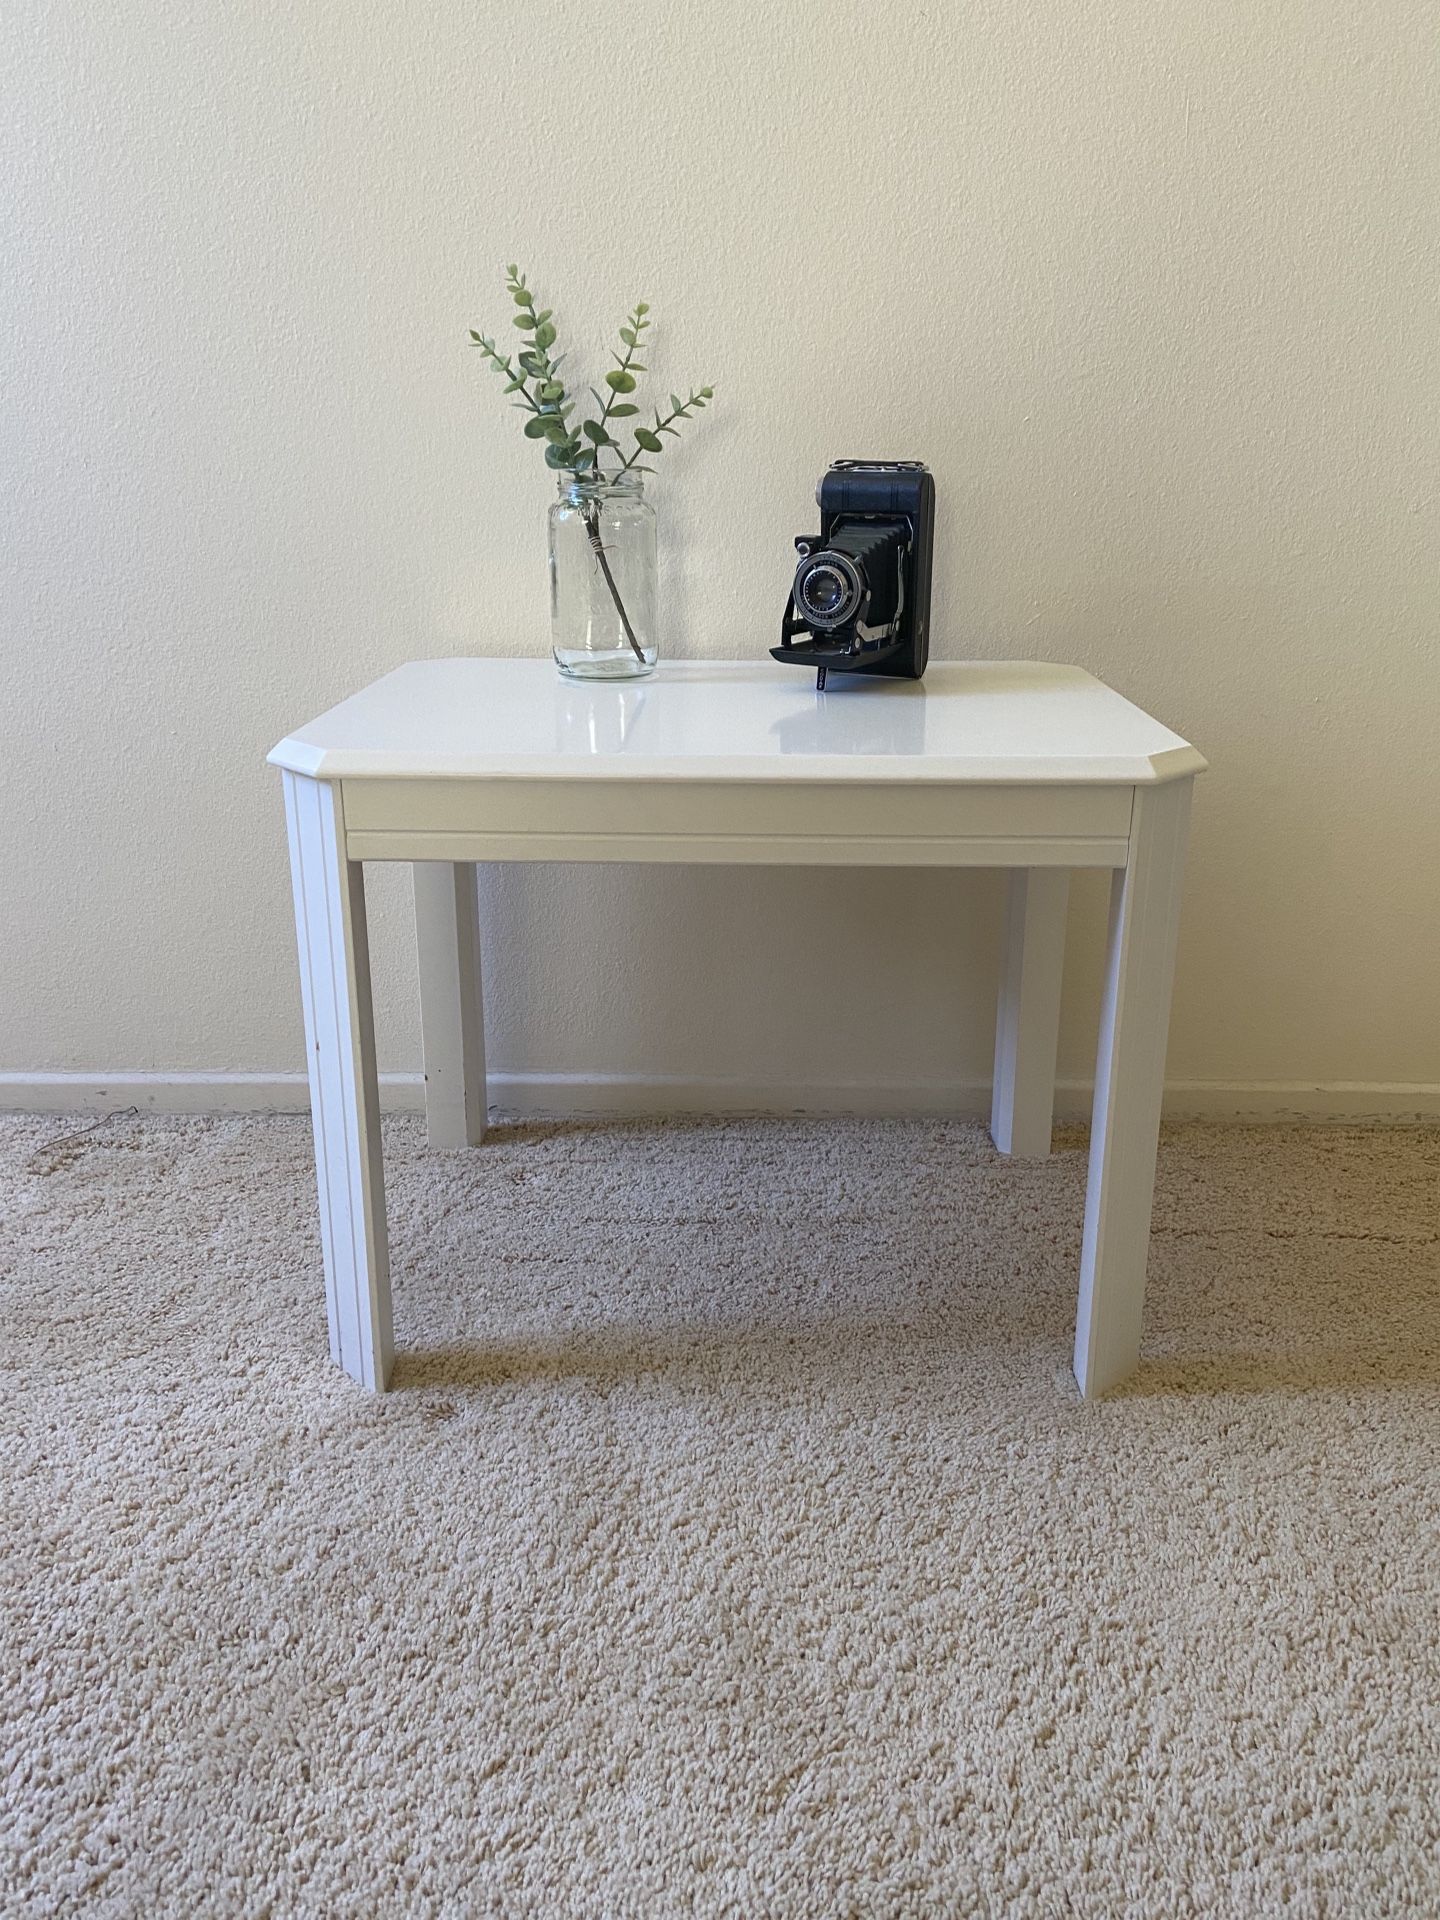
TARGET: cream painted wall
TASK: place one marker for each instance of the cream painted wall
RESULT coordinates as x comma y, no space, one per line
1154,291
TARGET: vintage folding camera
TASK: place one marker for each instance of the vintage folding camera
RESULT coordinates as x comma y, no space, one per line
861,598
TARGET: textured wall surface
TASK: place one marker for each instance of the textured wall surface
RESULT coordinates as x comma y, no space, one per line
1154,292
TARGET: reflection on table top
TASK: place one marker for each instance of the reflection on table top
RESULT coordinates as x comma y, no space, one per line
966,721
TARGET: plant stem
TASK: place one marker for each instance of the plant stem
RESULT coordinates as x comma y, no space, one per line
592,527
590,512
679,413
591,515
635,322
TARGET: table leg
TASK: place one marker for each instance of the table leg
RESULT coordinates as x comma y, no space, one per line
1023,1102
452,1019
344,1103
1129,1082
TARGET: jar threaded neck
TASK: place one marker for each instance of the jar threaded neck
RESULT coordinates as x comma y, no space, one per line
604,486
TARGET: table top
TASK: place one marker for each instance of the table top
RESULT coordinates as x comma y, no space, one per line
1003,721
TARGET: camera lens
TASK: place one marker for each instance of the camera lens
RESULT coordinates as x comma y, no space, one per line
826,590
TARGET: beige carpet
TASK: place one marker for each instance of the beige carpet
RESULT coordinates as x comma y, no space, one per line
735,1542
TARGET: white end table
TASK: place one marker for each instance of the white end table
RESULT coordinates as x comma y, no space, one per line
1011,764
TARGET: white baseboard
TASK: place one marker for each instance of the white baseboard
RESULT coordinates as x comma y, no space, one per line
1243,1102
184,1092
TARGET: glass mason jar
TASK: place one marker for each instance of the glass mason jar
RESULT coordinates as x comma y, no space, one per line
602,578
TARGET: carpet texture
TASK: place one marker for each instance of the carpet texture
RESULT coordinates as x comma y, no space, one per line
734,1542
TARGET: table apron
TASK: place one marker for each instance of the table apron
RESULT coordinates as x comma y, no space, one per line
742,823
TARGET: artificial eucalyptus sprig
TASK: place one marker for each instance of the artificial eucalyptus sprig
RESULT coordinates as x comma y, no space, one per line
533,373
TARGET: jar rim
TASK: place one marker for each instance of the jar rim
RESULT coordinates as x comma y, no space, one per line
601,483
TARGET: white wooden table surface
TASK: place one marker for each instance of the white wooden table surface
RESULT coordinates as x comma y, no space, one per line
1011,764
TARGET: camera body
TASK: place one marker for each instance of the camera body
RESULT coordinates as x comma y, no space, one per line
860,602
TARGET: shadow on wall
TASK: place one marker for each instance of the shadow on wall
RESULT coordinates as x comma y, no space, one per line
783,974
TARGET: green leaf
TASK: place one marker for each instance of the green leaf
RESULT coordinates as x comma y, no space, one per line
707,393
624,410
557,458
555,428
523,320
593,430
537,426
584,460
533,364
677,405
553,390
649,441
628,337
515,386
520,297
544,335
619,381
642,306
